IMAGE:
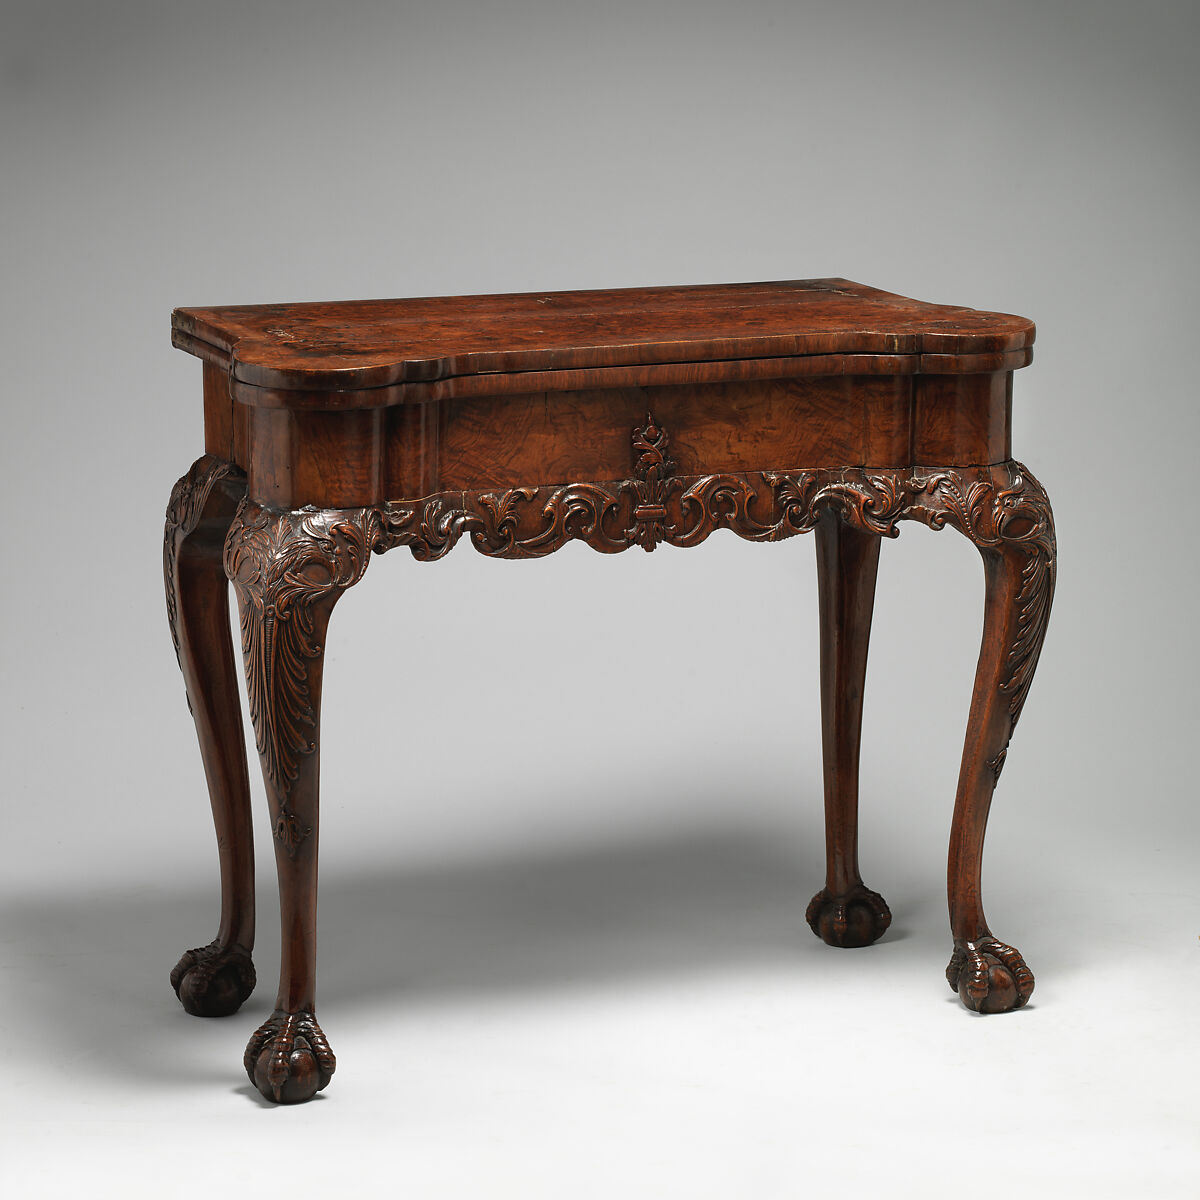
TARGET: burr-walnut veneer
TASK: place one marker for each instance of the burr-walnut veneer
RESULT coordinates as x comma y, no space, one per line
617,418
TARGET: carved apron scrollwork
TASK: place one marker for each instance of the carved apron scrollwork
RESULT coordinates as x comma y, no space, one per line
285,565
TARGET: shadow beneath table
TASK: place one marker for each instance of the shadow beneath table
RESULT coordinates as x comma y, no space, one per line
90,970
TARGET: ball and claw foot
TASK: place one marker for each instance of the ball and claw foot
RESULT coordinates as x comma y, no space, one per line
989,976
214,980
288,1058
857,918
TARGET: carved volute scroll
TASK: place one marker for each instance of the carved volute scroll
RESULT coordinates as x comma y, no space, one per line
288,568
653,507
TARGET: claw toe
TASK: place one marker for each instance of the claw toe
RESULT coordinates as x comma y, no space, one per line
989,976
288,1059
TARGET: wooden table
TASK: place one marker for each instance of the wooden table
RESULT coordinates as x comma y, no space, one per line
617,418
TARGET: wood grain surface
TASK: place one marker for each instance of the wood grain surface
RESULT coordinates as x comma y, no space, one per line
329,354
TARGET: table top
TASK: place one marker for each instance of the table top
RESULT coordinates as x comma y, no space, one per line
367,344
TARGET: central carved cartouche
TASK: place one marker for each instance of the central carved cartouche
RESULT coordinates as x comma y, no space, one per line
654,483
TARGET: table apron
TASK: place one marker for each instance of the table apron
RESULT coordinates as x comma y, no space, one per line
354,457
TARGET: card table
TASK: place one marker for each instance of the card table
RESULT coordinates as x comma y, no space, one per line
618,418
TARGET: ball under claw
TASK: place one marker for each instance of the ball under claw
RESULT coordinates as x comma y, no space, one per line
1001,995
304,1076
856,919
288,1059
213,980
989,976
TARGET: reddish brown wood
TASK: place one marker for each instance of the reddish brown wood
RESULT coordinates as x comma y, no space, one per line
845,912
213,980
1014,529
962,418
288,570
225,421
218,414
558,437
310,457
462,387
358,457
618,419
364,345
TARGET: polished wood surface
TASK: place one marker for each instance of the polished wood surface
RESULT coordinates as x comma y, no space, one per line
338,458
845,912
213,980
357,353
620,419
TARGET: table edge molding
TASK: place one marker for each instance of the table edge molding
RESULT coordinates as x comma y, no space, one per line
328,393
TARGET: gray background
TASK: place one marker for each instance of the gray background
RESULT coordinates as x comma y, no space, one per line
572,808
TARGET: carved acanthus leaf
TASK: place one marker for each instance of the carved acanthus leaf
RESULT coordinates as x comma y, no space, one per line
1013,515
287,569
613,516
289,830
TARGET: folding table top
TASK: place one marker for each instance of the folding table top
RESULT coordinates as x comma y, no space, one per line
344,346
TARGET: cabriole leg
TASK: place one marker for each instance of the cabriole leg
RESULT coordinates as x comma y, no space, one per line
213,980
845,912
288,570
1006,513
